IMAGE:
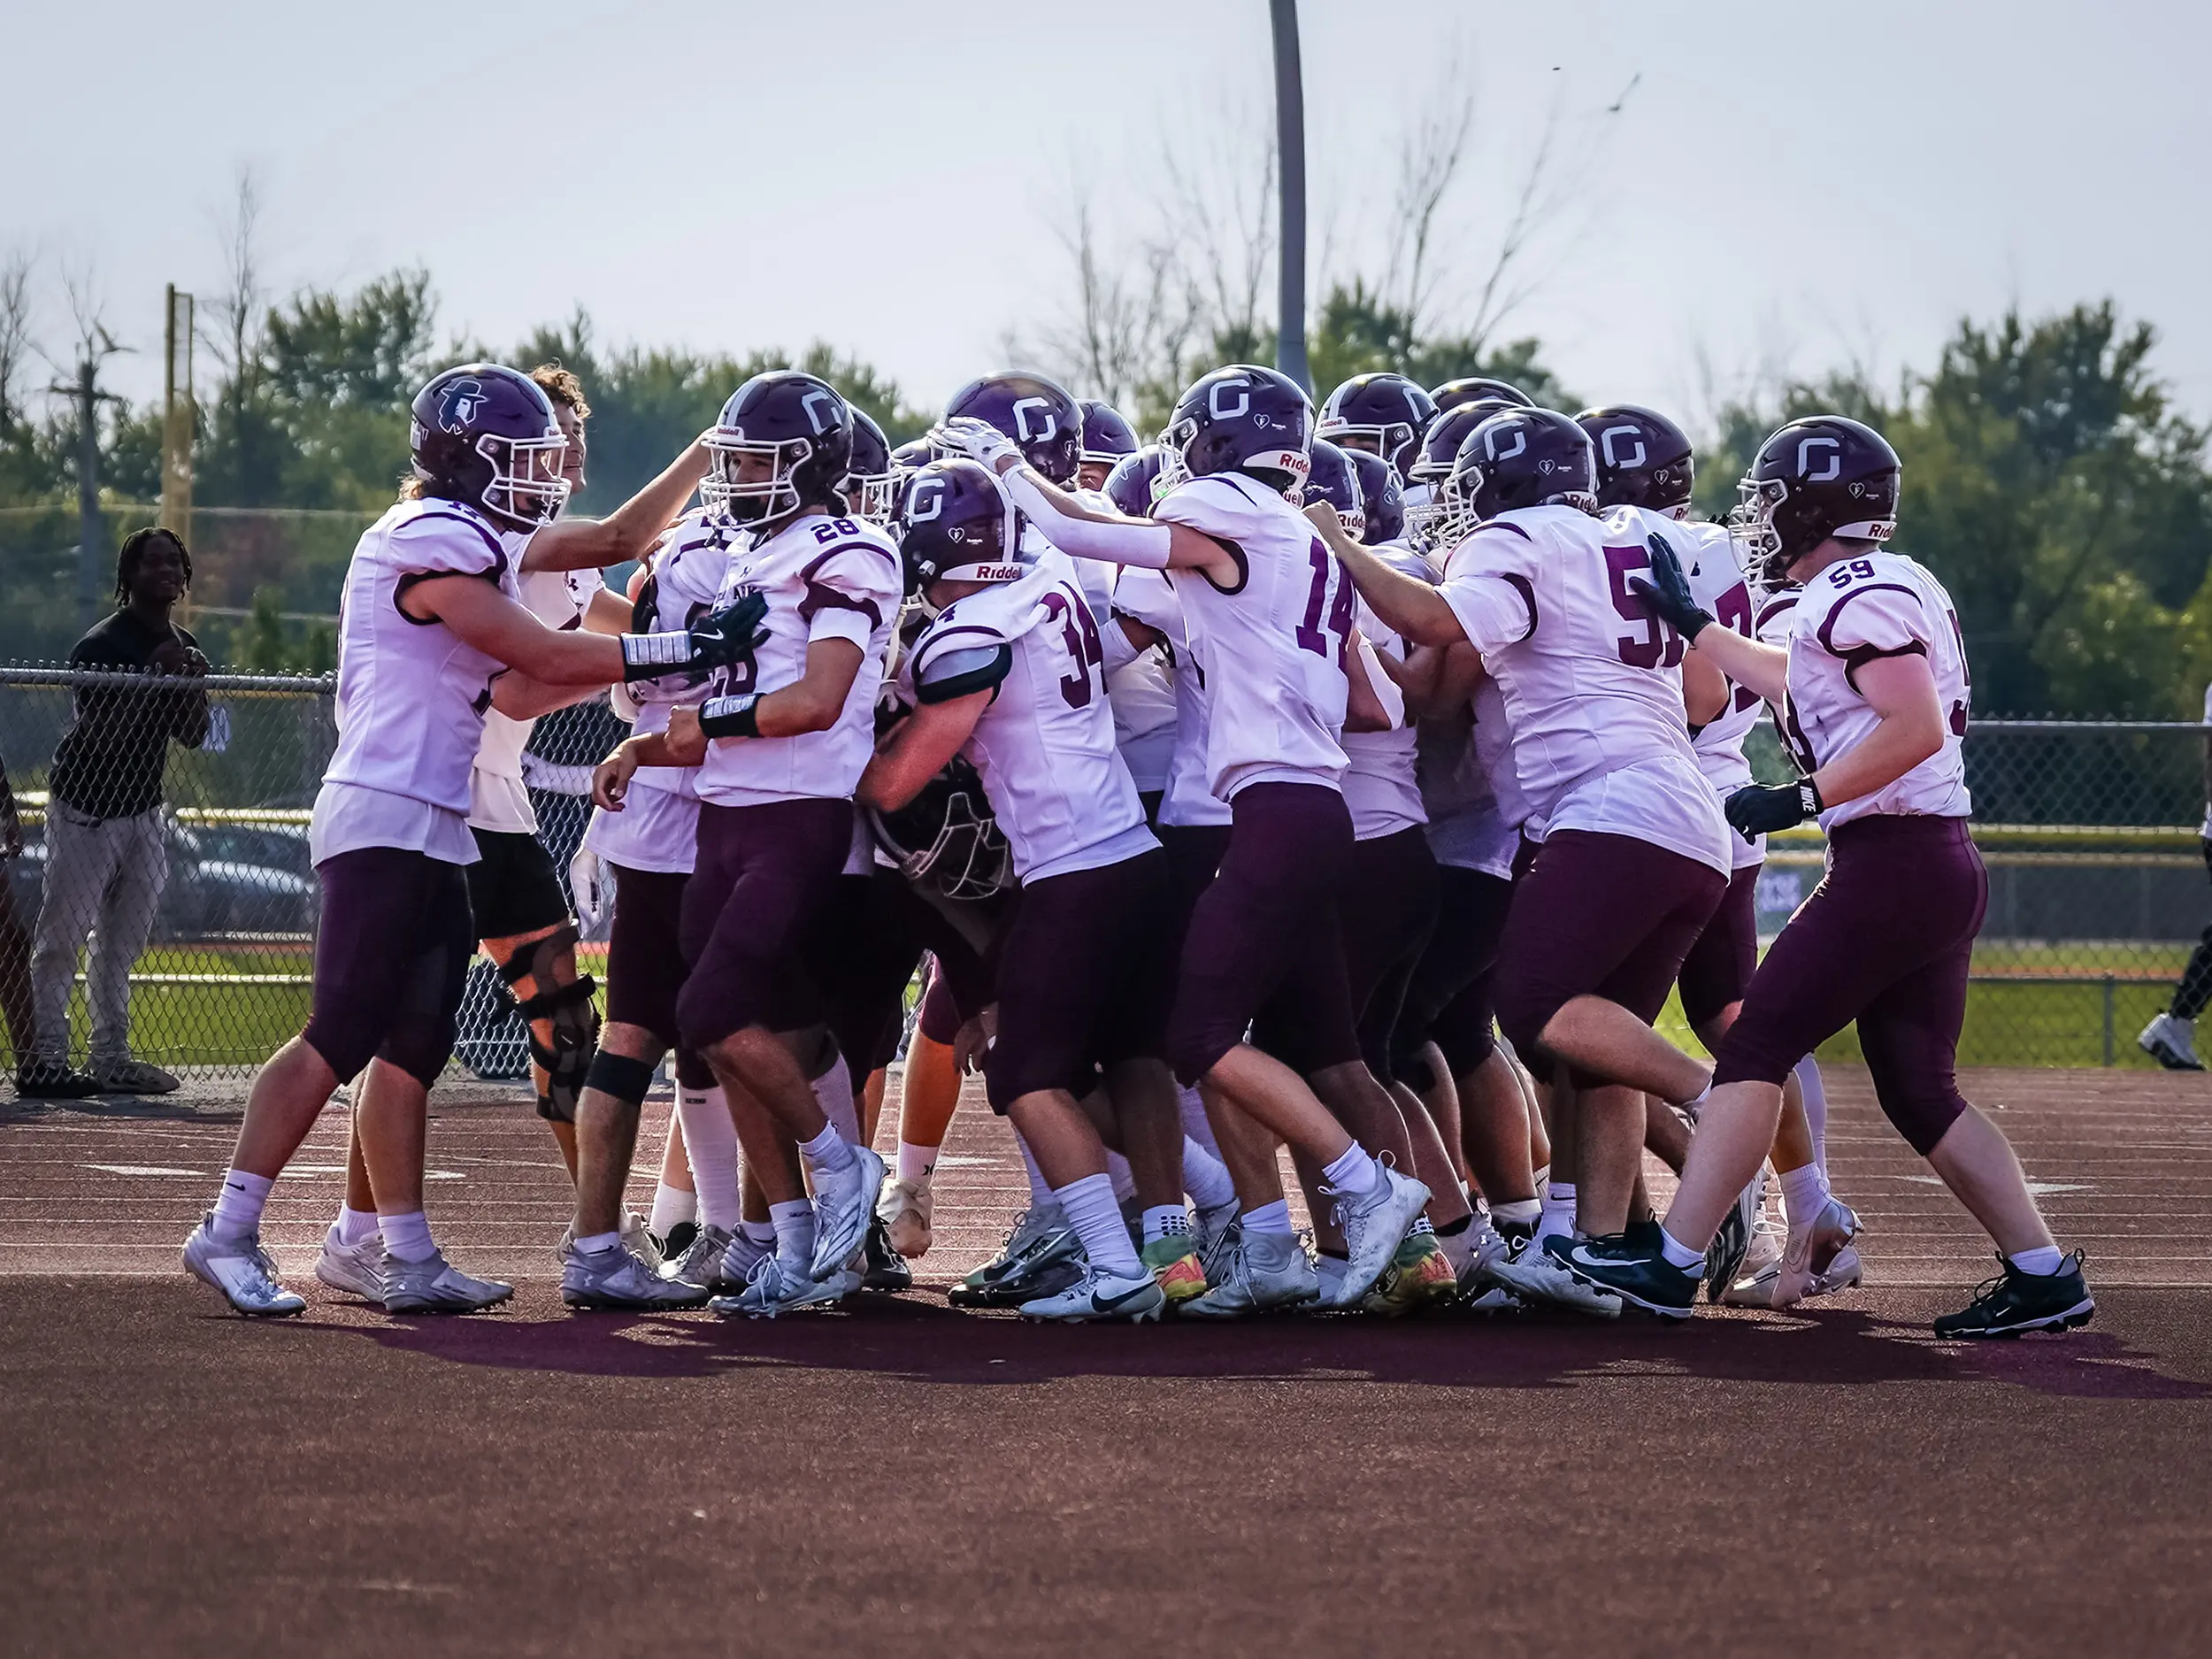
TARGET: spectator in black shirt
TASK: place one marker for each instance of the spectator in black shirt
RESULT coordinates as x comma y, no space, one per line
105,855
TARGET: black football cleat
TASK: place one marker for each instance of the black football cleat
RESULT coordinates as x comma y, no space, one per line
883,1268
2014,1302
1631,1266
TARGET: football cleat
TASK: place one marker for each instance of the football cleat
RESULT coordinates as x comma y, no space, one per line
700,1262
1262,1270
2171,1042
1631,1267
844,1203
355,1269
1810,1261
638,1240
2014,1302
242,1270
1419,1276
776,1286
1042,1253
905,1209
1212,1228
1374,1223
1724,1255
1100,1294
1172,1260
882,1267
1532,1275
619,1279
433,1286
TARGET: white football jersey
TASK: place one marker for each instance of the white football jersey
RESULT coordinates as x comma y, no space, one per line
825,579
497,798
1711,559
658,827
411,696
1853,612
1188,797
1382,787
1591,681
1271,646
1136,682
1044,745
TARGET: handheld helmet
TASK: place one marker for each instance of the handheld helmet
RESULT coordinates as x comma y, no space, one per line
946,838
485,435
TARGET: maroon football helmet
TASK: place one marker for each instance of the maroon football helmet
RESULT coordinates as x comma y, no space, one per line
1129,485
1525,457
1384,412
1467,389
1821,477
1036,413
1644,459
1333,481
1242,419
1379,493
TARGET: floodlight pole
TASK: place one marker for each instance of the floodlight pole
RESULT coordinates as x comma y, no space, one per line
1290,147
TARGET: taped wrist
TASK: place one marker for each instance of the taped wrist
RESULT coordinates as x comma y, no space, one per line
731,717
1132,543
618,1075
647,655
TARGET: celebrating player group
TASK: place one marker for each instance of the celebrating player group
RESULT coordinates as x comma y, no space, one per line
1360,786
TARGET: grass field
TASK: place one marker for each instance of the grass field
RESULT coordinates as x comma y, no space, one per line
207,1006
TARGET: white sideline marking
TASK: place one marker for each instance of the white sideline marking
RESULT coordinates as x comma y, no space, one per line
2037,1189
139,1168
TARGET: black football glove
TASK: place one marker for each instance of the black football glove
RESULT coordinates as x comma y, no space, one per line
731,634
1759,809
1668,591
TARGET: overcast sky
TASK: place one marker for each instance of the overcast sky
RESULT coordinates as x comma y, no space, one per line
1785,186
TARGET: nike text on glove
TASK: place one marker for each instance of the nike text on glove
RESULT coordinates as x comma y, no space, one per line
728,635
977,440
1668,590
1762,808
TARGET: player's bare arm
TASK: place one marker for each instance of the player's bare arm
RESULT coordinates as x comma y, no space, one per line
1366,708
810,704
629,531
1706,692
917,748
1411,607
1903,691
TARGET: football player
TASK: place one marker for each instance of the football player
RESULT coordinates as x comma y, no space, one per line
1270,620
1108,440
1634,854
1476,389
1874,688
1645,470
1008,675
433,633
1382,414
779,748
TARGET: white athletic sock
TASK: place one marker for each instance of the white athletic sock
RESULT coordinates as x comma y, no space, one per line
1542,1181
917,1164
1692,1107
1094,1213
1679,1255
1039,1188
671,1206
407,1236
1273,1218
1354,1174
760,1233
1196,1125
592,1243
2041,1261
829,1153
1159,1220
711,1146
833,1093
355,1227
1808,1073
1125,1179
1521,1212
794,1225
238,1207
1205,1177
1804,1193
1557,1214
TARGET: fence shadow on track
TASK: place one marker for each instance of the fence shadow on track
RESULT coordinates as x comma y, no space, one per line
912,1339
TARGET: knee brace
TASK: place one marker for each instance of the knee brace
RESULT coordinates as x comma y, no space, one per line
569,1012
620,1075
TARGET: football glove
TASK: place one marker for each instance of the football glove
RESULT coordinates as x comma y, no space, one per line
1668,591
977,440
1758,809
731,634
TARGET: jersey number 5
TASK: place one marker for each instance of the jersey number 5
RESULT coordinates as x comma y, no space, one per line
1659,645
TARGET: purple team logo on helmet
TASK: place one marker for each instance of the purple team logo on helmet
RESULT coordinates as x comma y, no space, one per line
1242,419
1036,413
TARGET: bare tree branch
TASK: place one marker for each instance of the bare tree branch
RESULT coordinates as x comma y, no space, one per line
240,312
15,332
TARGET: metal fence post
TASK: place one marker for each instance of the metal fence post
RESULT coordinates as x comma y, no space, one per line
2107,1020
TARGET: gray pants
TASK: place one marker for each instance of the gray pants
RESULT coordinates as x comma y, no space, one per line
104,877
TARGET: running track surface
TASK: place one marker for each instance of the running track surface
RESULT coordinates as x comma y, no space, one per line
176,1481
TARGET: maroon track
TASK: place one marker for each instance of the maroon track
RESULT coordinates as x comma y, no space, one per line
916,1480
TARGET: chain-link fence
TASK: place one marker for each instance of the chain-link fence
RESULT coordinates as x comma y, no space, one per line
171,812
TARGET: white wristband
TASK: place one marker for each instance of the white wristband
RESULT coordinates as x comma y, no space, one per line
1130,543
656,651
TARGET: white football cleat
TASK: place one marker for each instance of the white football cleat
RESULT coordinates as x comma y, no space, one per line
775,1287
2171,1042
906,1208
1101,1294
1374,1223
619,1279
435,1285
1259,1271
242,1270
355,1269
700,1262
843,1202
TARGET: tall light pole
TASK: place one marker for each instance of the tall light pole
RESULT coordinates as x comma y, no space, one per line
1290,147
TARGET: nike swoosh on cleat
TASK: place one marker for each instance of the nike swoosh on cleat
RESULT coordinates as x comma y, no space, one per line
1107,1304
1580,1260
